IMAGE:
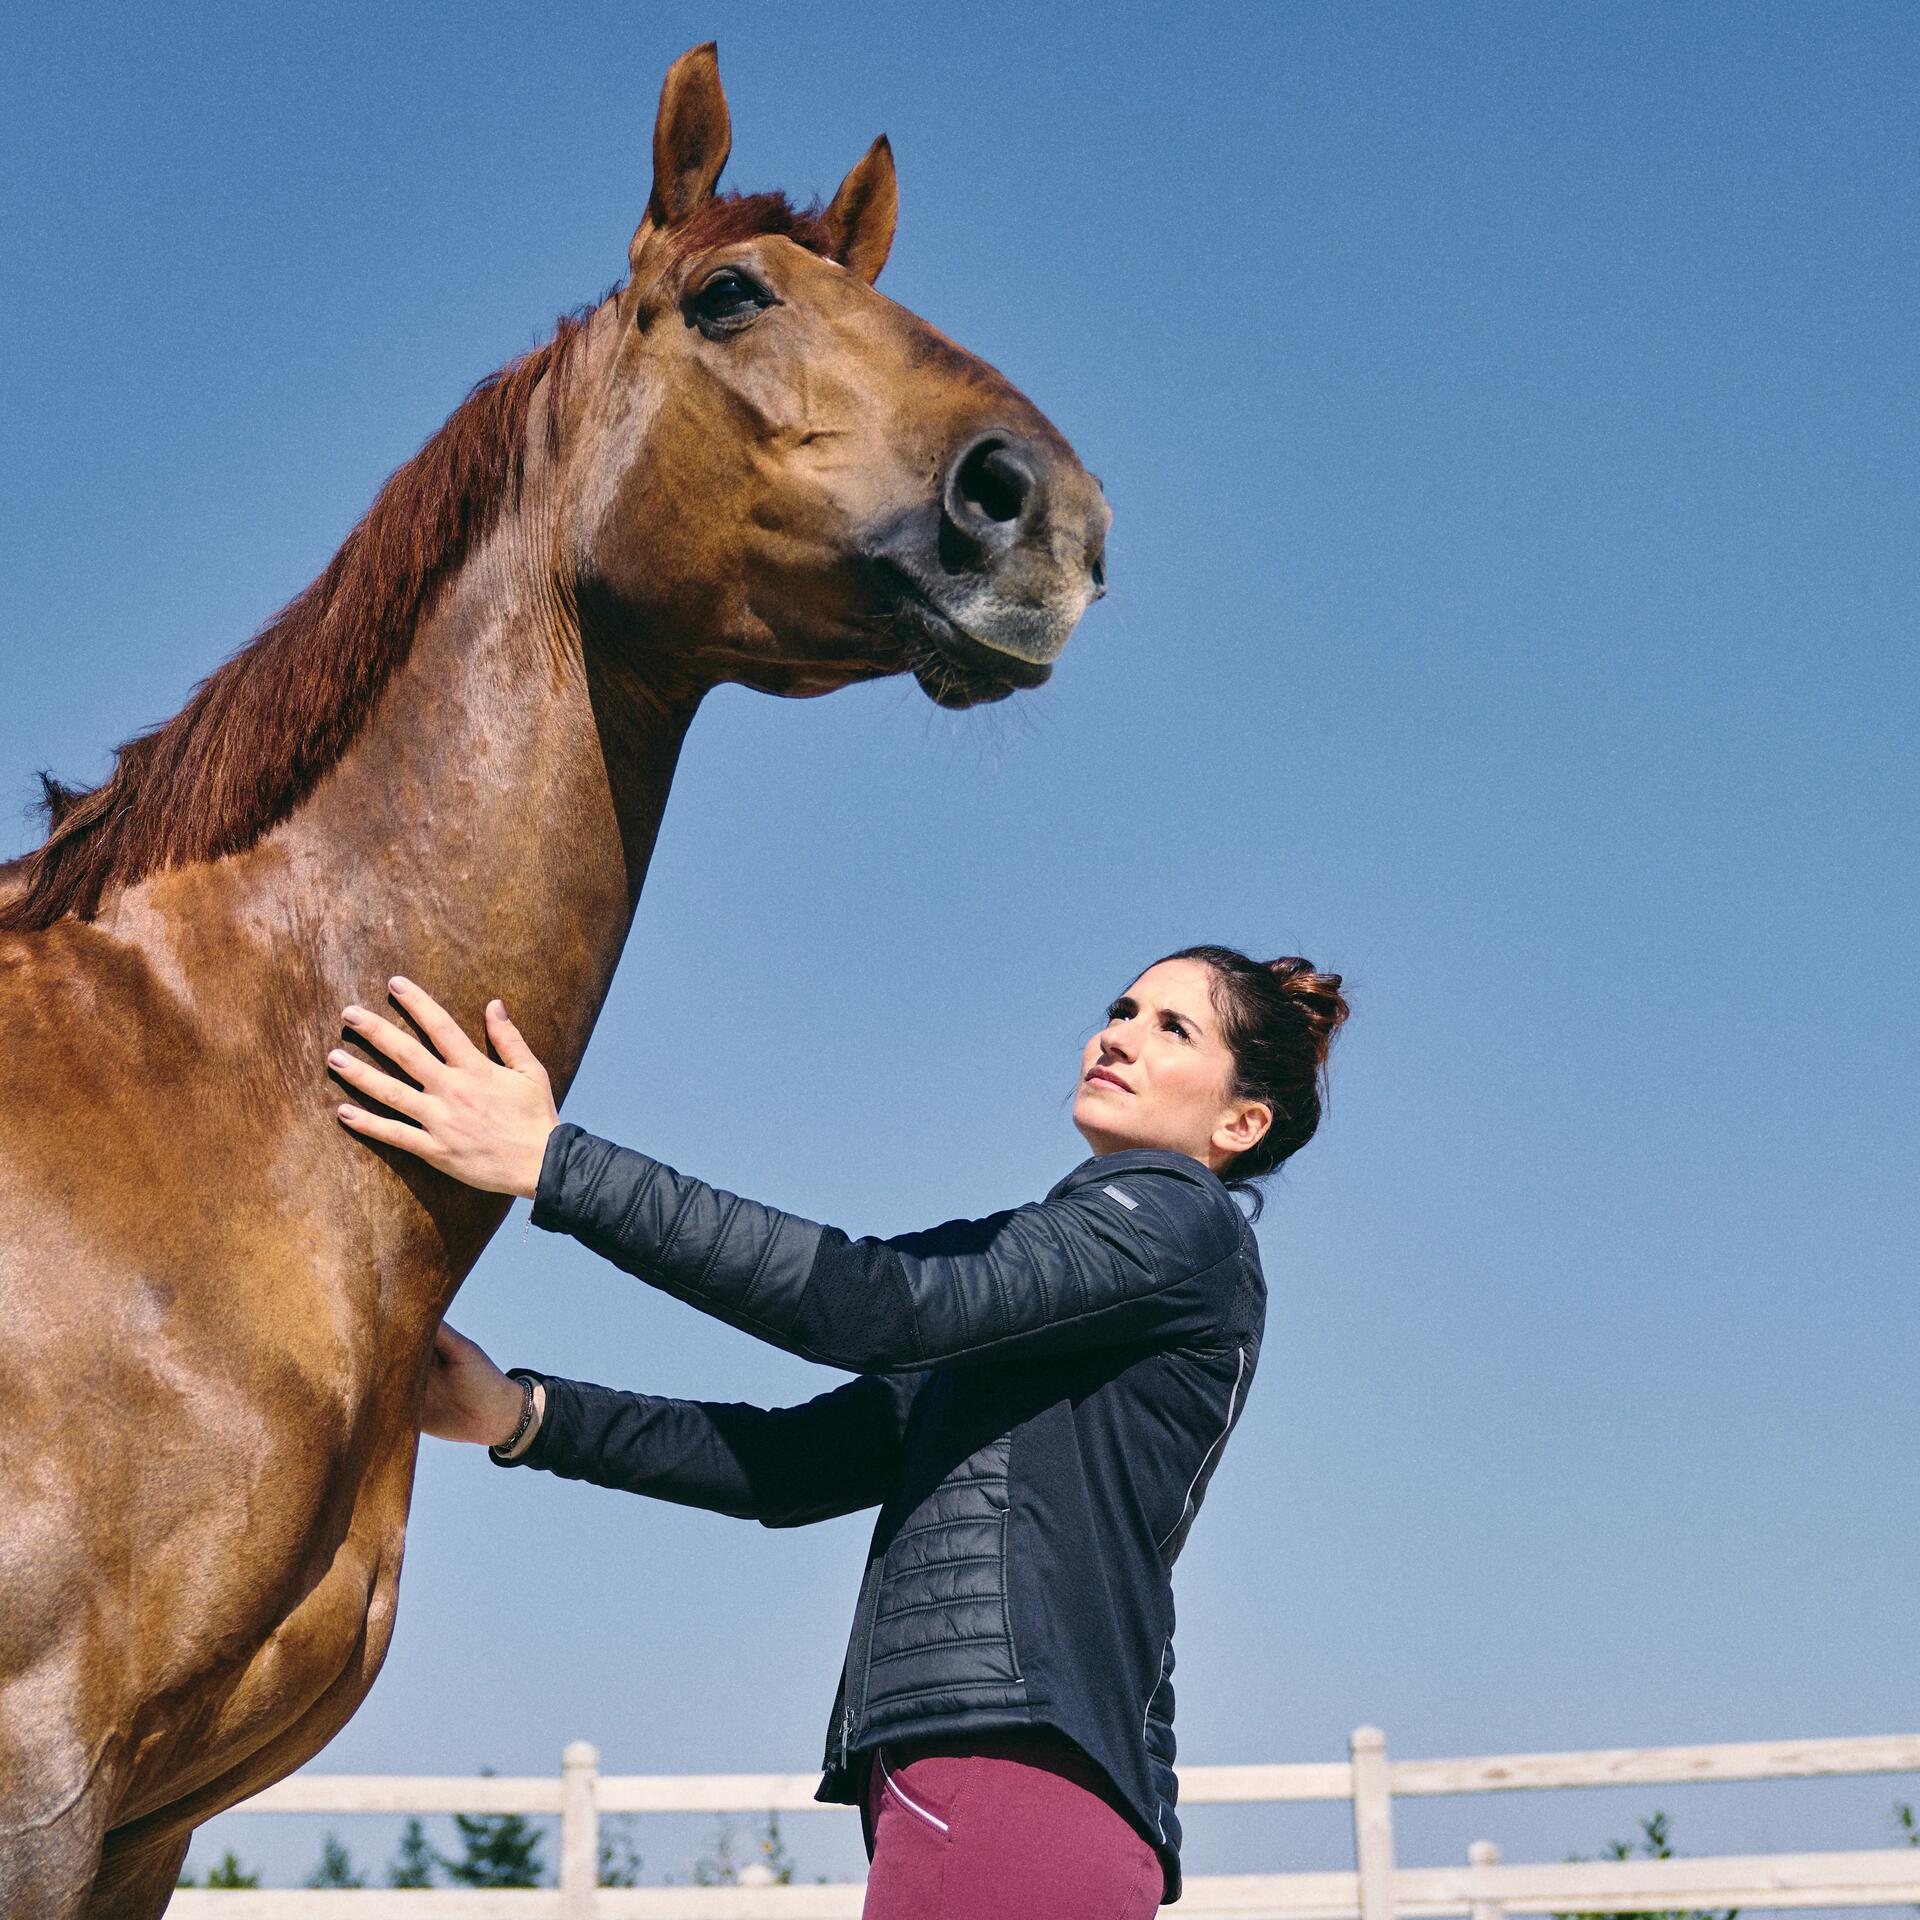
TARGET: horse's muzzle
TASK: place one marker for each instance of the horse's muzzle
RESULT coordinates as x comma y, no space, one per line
994,572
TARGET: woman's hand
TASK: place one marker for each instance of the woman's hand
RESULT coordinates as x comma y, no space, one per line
468,1397
482,1122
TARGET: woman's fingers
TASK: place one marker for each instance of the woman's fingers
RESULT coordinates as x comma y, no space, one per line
508,1041
484,1123
392,1133
395,1042
366,1078
435,1022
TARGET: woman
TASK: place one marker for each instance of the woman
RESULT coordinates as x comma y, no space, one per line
1042,1399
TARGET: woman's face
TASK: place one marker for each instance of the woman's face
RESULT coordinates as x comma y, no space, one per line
1158,1074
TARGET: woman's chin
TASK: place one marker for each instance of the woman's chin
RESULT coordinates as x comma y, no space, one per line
1099,1137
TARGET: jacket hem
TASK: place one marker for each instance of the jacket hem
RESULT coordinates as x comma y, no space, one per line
843,1784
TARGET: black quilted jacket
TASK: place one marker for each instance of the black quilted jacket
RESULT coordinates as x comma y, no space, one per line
1043,1397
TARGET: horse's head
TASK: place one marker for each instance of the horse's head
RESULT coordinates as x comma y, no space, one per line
803,483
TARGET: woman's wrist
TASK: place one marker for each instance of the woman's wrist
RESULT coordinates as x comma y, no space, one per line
529,1408
528,1185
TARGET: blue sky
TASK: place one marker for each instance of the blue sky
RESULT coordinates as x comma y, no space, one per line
1509,414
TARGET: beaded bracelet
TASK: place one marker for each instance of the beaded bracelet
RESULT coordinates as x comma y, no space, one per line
504,1448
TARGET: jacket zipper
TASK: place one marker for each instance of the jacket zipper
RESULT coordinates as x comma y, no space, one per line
859,1653
1146,1714
860,1642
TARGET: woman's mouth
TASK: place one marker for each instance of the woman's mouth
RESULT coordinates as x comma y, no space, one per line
1107,1079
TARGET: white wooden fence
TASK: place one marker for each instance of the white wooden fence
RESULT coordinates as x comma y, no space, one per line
1483,1889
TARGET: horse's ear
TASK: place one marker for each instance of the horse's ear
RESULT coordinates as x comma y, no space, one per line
691,138
861,220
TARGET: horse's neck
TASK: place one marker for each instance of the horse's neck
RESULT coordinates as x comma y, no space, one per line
486,834
489,831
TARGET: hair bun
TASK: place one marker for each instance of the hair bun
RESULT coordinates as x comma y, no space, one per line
1317,996
1278,1018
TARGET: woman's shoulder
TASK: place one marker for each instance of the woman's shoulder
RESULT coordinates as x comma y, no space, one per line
1173,1192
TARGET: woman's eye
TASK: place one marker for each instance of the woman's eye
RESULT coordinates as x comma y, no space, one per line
729,300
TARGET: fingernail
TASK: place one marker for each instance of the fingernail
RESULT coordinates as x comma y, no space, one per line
399,983
353,1014
336,1058
345,1113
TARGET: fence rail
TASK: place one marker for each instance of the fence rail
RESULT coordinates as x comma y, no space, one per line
1373,1889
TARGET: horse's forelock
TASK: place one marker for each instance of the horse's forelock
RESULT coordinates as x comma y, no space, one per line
746,216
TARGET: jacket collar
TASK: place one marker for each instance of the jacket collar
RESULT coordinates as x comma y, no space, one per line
1103,1166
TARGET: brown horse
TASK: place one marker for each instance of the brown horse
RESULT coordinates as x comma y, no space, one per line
451,754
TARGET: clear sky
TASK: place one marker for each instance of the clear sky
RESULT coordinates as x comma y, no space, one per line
1509,413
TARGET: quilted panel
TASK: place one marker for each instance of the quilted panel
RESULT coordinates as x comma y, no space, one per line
940,1616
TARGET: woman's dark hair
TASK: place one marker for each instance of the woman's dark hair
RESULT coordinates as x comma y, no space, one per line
1278,1018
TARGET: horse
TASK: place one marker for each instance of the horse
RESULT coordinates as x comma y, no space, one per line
448,755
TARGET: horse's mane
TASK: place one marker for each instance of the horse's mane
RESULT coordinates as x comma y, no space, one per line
257,734
259,731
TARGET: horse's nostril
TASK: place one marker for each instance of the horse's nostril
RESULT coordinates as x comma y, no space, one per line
994,482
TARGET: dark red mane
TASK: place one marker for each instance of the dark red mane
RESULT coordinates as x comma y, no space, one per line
257,734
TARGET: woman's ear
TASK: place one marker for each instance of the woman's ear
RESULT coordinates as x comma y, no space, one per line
1245,1126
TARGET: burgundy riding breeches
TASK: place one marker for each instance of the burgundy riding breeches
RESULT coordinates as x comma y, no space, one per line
1002,1826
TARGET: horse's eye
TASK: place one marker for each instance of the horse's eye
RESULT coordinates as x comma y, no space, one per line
729,301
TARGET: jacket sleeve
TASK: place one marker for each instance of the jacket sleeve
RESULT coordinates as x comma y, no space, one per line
782,1466
1151,1254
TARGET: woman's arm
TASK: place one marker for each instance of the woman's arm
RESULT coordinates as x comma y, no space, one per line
1149,1253
782,1466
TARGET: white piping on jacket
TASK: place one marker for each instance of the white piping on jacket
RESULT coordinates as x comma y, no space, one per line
1233,1401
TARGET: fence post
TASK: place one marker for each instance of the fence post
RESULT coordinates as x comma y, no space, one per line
579,1831
1483,1853
1372,1822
